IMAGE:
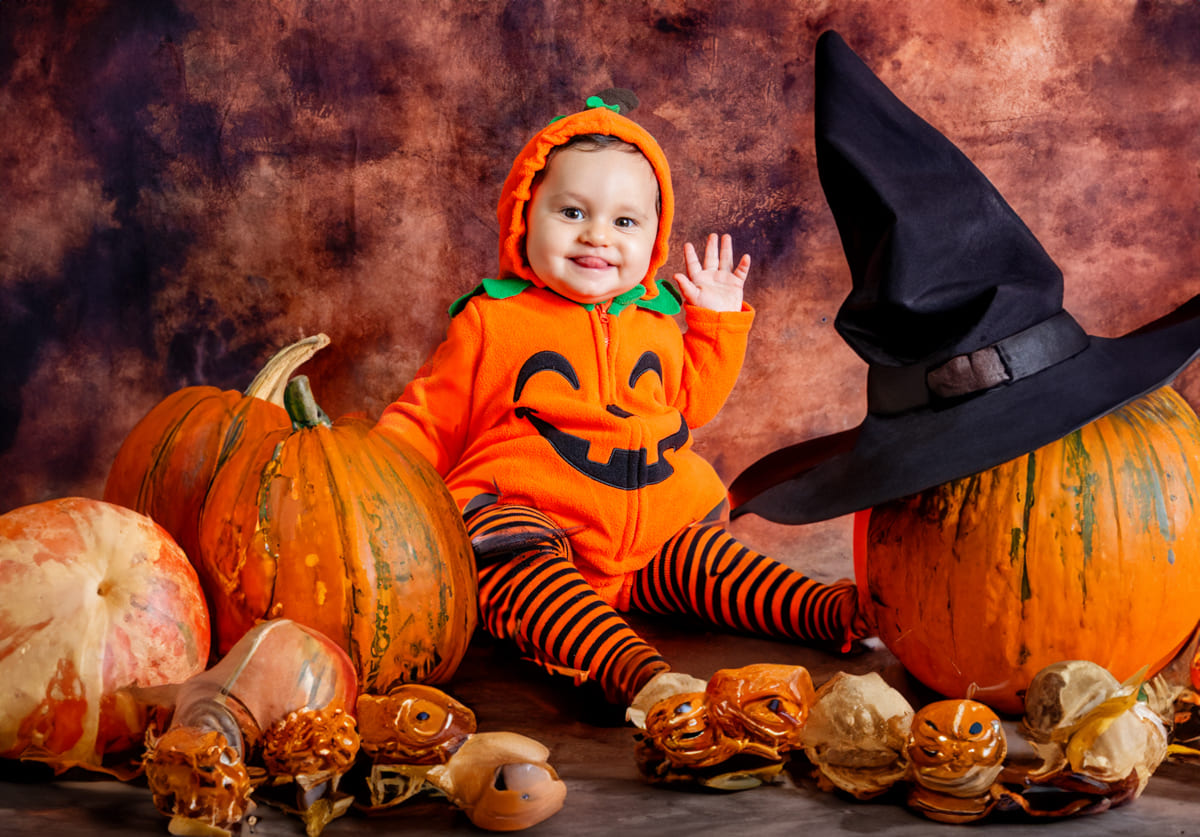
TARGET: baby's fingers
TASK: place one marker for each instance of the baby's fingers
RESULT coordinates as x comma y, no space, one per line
726,252
712,252
688,288
743,268
691,259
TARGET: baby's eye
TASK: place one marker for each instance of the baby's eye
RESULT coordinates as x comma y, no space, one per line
626,223
572,213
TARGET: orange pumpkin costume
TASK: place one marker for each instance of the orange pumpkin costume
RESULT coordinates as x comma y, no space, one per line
601,442
581,414
576,420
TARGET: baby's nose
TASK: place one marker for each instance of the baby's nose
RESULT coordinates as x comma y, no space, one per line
596,232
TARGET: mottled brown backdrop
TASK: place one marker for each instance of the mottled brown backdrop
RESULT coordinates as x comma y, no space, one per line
189,185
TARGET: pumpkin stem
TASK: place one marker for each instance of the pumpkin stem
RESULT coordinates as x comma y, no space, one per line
302,406
269,384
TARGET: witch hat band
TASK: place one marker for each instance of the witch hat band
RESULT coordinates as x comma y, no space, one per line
956,309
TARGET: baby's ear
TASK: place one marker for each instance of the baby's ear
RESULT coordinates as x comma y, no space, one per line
626,99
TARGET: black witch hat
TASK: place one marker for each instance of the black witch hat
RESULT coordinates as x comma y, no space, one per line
956,308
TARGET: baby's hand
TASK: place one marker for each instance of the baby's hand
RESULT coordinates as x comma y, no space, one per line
717,284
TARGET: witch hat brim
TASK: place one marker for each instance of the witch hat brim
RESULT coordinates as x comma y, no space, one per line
898,451
887,457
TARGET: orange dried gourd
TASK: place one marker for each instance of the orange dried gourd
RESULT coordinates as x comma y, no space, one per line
347,531
284,695
1087,548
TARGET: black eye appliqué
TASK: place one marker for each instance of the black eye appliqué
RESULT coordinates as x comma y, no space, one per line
541,362
648,362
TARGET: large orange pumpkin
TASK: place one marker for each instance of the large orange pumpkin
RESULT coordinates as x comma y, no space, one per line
163,467
96,598
1087,548
348,532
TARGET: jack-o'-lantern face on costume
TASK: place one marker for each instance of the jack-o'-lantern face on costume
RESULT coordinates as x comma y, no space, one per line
624,468
413,724
683,729
763,707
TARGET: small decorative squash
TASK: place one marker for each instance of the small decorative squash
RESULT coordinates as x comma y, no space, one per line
166,462
404,734
1082,723
956,749
96,598
421,740
413,724
347,531
733,735
763,706
502,781
857,735
283,696
1087,548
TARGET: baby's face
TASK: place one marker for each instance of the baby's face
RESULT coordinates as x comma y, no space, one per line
592,222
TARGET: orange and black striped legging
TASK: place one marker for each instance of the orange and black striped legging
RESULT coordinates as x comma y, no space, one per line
539,600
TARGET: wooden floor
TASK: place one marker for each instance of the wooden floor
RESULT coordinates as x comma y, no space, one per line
593,752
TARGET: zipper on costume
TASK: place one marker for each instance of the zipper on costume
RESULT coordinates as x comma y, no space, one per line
604,355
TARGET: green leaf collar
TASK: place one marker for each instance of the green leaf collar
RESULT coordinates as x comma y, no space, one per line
667,302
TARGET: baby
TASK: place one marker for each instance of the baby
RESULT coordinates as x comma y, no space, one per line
560,406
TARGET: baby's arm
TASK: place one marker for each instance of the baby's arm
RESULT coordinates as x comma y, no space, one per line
717,327
433,412
717,284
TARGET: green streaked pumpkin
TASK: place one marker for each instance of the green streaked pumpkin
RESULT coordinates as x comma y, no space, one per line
164,465
347,531
1087,548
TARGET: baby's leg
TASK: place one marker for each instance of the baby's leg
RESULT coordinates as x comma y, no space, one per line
540,601
704,571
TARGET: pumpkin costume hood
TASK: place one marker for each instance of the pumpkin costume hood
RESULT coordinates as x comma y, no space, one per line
603,116
957,310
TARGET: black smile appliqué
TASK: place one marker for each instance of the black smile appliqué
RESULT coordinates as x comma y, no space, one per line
625,469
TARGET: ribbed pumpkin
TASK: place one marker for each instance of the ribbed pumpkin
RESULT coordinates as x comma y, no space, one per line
348,532
1087,548
94,598
164,466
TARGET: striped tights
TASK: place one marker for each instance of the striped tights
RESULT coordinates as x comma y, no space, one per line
537,599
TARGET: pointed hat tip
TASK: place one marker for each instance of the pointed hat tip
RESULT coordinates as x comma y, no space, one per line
829,39
831,46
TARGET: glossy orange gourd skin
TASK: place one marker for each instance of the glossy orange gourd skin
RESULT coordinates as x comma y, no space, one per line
165,464
350,533
1087,548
